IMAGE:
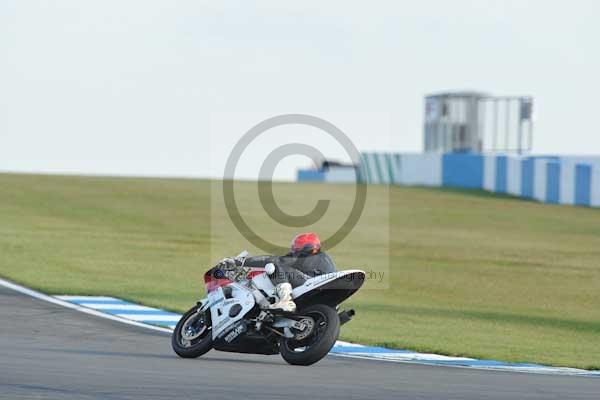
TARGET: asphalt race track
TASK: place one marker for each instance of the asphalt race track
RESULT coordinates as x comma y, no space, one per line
47,351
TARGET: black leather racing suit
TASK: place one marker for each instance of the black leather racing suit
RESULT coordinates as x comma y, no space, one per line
295,269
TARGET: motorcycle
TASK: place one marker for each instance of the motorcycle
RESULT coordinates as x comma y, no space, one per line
235,316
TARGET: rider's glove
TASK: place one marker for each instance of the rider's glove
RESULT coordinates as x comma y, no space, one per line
227,263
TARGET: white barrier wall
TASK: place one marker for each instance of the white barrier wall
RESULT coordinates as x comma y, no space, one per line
340,175
540,181
567,182
420,169
489,175
380,168
513,175
567,175
573,180
403,169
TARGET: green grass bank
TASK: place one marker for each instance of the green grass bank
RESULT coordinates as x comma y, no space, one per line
465,273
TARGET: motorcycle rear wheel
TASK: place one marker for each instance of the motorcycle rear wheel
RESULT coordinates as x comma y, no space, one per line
316,346
192,336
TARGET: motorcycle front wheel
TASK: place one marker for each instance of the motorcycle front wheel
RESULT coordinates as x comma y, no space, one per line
325,329
192,336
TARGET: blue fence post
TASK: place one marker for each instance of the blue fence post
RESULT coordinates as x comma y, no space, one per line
527,176
462,170
310,175
553,182
583,178
500,174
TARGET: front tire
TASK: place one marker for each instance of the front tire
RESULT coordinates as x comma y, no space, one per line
192,336
316,346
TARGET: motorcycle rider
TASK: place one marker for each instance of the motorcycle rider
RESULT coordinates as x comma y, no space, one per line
305,260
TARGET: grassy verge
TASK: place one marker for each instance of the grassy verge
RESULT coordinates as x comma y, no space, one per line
466,273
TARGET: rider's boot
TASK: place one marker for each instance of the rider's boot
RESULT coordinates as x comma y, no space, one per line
284,293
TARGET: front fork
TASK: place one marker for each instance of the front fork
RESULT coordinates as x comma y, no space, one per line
203,304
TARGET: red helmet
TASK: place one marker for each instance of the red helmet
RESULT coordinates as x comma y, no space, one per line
306,243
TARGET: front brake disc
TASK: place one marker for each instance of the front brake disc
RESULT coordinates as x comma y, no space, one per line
188,331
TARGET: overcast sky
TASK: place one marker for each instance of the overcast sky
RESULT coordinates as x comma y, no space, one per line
167,87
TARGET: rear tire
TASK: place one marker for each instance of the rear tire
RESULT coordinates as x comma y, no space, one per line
191,324
327,330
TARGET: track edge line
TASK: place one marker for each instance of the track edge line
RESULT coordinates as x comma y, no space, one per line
50,299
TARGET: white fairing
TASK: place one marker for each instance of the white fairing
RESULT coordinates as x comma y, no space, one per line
220,307
321,280
247,297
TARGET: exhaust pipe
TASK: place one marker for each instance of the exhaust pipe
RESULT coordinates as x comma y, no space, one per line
346,316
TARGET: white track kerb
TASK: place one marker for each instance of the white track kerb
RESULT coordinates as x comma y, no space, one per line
164,321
